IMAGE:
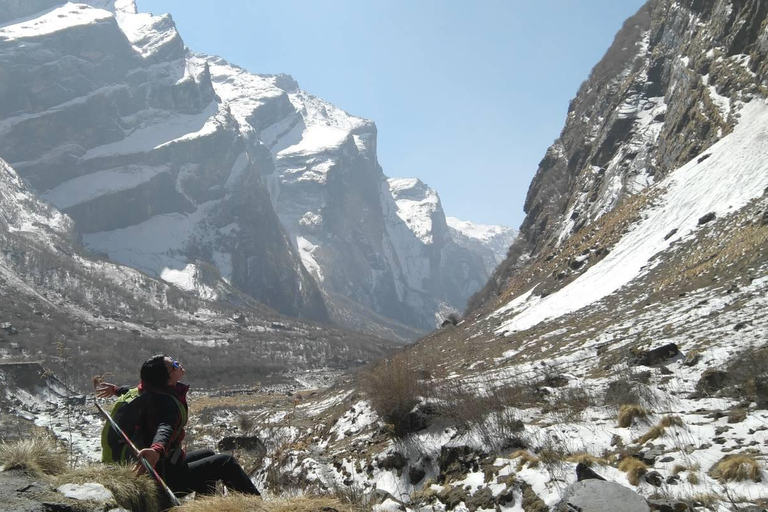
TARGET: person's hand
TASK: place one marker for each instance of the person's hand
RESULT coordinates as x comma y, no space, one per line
105,389
150,456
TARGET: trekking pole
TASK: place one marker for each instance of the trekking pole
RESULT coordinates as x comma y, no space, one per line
147,465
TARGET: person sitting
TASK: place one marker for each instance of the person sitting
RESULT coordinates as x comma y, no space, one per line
161,415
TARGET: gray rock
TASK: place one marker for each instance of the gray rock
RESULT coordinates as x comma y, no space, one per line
86,492
600,496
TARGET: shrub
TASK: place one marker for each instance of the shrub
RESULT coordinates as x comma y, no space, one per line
628,413
38,456
634,469
394,390
735,468
490,414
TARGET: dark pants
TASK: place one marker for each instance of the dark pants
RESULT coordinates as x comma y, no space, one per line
202,469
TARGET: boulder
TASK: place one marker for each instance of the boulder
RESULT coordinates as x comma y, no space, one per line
585,473
600,496
247,443
655,356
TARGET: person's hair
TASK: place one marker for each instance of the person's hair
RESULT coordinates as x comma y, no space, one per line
154,373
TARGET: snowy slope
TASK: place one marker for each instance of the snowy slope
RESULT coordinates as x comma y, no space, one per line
732,173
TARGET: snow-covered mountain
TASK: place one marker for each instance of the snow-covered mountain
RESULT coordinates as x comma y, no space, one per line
164,158
492,242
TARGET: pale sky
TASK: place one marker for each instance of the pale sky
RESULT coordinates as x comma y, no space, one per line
467,95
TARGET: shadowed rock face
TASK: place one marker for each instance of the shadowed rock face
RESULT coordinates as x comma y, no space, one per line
665,91
110,126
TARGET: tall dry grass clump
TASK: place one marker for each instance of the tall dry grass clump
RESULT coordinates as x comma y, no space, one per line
394,390
38,456
736,468
634,468
234,502
628,413
131,491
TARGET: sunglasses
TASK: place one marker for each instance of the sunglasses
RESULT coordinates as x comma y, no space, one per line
175,364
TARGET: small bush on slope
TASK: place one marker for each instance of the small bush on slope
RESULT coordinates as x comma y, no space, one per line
38,456
627,414
735,468
131,491
394,389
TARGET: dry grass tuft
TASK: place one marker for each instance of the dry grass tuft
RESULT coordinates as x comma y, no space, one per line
654,433
587,459
693,478
38,456
679,468
634,469
628,413
525,457
131,491
241,503
671,421
736,468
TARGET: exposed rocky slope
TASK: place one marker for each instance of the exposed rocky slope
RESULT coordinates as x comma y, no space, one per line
669,87
165,159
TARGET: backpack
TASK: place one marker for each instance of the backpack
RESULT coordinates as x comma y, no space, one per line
128,412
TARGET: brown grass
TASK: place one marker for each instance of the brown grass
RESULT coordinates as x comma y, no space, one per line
131,492
39,456
628,413
654,433
671,421
525,458
587,459
634,469
736,468
693,478
241,503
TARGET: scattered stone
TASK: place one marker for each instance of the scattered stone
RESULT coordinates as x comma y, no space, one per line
692,359
394,460
654,478
416,475
655,356
451,497
707,218
555,381
722,430
740,326
719,440
667,459
705,446
673,480
650,456
668,505
585,473
86,492
247,443
600,496
670,234
454,462
737,415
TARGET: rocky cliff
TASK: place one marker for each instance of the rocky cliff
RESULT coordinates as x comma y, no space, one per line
669,87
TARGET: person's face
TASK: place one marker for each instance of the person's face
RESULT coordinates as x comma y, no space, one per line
175,370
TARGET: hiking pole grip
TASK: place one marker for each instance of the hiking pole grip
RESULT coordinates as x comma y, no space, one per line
152,471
